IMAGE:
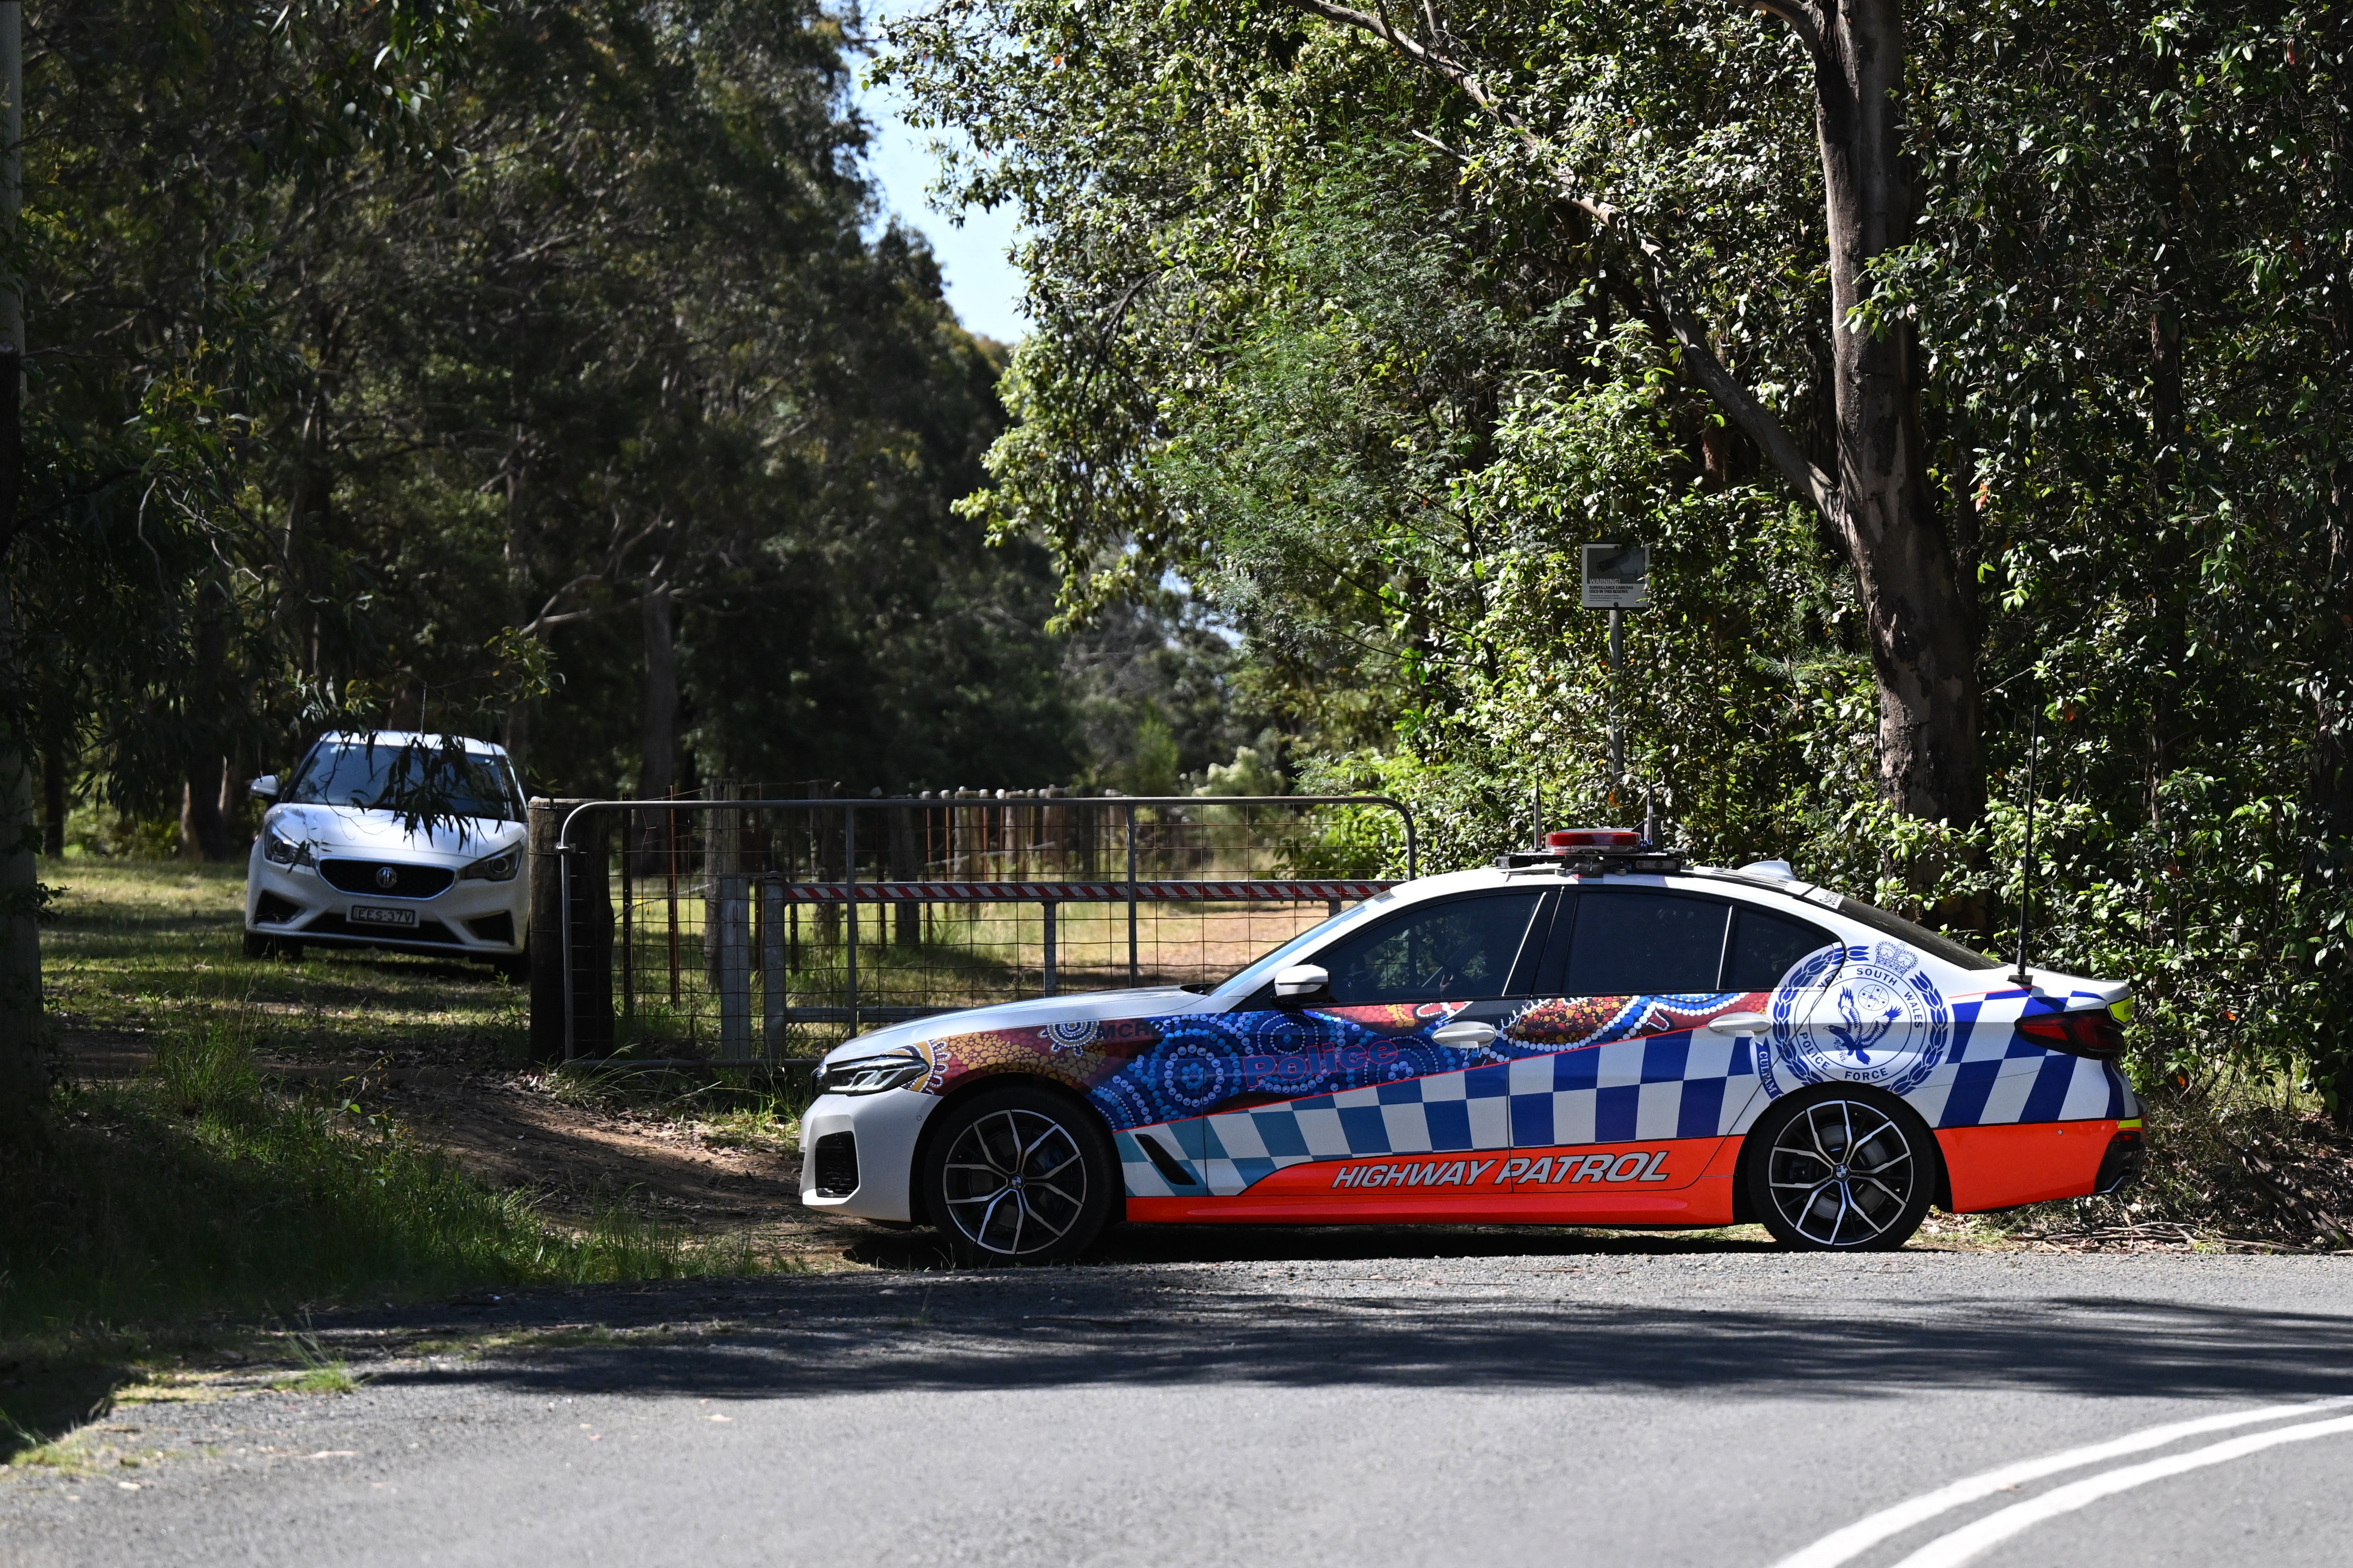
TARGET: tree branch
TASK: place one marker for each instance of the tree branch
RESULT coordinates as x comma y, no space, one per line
1803,18
1752,418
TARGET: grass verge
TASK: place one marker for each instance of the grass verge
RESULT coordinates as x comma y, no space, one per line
203,1192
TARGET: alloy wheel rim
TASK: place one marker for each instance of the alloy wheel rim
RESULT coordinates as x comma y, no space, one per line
1842,1172
1017,1183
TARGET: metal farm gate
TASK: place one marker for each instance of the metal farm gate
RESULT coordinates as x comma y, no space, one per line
726,930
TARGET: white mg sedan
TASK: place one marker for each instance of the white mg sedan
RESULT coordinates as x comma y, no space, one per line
1595,1034
341,859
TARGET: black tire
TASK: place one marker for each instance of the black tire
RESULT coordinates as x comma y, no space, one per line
259,946
1019,1176
513,967
1814,1195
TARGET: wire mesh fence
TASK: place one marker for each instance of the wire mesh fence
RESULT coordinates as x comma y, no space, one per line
735,926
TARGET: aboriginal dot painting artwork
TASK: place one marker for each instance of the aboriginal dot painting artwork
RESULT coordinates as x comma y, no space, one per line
1144,1071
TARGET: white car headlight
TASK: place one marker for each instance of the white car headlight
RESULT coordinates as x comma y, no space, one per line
873,1075
499,867
281,850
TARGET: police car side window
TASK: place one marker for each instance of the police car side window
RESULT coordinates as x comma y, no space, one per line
1633,944
1463,950
1765,946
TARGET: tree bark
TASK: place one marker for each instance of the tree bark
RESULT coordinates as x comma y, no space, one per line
23,1075
1923,625
659,737
53,801
517,740
23,1081
204,832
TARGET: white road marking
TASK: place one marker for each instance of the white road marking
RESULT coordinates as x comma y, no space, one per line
1864,1533
1947,1552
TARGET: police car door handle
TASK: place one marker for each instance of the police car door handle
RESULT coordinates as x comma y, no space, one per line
1464,1034
1738,1023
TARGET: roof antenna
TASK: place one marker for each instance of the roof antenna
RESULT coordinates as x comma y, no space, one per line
1535,816
2026,862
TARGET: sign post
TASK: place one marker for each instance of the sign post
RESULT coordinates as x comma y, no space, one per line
1617,579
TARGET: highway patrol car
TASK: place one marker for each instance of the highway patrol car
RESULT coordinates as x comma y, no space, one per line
1593,1035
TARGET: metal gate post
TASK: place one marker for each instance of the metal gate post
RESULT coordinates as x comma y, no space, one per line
734,906
1047,907
628,915
850,905
1132,973
772,968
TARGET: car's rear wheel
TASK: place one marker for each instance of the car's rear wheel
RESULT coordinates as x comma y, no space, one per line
1017,1175
1842,1170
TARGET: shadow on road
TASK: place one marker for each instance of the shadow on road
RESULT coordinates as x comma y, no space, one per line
1547,1324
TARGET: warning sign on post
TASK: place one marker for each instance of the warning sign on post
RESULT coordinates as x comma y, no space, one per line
1617,576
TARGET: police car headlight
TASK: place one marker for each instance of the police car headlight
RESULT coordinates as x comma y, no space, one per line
873,1075
281,850
499,867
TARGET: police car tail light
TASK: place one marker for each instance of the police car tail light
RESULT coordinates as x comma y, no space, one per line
1569,840
2095,1032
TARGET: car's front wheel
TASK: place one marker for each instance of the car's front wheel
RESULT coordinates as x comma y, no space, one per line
1019,1176
1841,1172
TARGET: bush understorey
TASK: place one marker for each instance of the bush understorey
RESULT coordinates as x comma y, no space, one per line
2236,1162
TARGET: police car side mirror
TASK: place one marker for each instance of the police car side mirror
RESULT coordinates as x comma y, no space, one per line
1301,984
266,786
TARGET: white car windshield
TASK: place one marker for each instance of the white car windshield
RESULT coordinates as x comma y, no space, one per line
1244,982
386,775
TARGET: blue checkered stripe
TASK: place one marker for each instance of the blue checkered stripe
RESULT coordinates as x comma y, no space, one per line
1142,1177
1993,1076
1664,1086
1668,1086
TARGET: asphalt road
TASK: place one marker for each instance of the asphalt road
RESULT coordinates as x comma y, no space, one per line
1359,1401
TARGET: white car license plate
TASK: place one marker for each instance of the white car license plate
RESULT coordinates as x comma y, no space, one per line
371,915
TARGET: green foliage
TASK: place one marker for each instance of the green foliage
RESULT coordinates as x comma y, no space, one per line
1322,338
386,357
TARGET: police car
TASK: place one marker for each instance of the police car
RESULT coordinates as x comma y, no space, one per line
1592,1035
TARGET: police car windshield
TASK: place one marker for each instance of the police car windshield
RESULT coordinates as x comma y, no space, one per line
1936,944
387,775
1244,982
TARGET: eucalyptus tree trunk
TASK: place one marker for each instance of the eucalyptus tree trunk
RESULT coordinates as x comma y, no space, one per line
1922,621
24,1089
22,1084
659,737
